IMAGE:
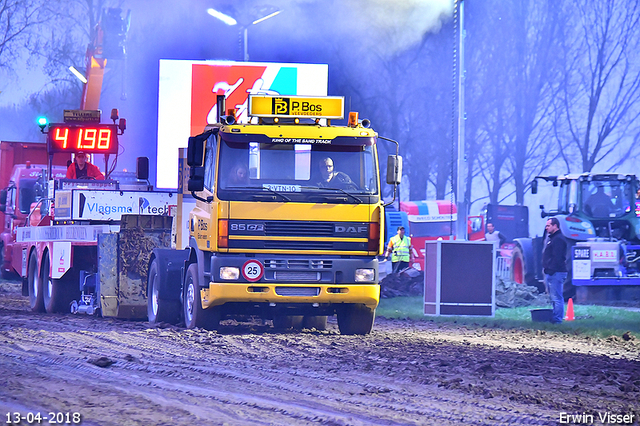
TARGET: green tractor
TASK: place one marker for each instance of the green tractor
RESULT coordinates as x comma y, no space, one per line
599,216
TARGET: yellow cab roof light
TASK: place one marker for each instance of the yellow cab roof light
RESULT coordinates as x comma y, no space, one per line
313,107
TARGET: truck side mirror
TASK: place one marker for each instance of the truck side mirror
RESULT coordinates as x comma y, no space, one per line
195,151
3,208
196,178
394,169
142,168
534,186
3,197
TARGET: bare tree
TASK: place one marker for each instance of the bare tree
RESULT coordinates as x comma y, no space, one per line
512,62
407,96
19,21
599,101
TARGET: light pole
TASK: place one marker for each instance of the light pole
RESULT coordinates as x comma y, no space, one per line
251,17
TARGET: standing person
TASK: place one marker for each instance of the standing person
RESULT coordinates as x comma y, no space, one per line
82,169
402,250
554,256
494,235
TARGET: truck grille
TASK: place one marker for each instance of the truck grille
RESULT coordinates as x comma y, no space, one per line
298,264
299,245
298,228
297,276
298,235
298,291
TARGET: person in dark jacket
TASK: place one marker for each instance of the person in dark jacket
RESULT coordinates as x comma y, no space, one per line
554,256
332,178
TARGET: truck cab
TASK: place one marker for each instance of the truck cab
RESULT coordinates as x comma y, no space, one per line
288,221
23,194
596,206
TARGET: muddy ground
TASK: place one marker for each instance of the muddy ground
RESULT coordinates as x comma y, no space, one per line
116,372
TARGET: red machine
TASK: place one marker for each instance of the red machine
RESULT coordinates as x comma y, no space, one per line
21,166
429,220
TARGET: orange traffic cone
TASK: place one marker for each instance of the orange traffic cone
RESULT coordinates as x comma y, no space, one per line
569,316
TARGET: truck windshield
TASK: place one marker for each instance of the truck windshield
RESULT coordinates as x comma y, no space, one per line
27,195
299,171
606,199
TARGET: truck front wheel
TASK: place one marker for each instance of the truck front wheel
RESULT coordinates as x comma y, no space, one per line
5,274
355,319
36,301
158,309
194,314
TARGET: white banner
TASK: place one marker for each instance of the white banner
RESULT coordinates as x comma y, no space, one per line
111,205
433,217
79,233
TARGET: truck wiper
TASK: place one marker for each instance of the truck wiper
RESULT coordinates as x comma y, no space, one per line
358,200
273,191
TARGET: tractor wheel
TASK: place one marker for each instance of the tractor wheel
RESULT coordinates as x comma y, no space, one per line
520,274
568,289
194,314
159,310
36,300
355,319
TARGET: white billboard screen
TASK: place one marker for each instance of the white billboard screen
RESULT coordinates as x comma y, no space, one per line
187,98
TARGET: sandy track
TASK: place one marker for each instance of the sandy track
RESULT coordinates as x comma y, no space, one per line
405,372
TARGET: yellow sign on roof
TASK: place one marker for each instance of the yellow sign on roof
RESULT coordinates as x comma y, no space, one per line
330,107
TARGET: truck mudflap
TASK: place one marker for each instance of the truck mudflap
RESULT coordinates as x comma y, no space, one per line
123,264
275,293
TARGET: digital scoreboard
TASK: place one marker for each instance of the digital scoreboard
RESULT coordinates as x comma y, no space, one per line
90,138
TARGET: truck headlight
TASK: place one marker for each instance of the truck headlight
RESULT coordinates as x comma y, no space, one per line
229,272
365,274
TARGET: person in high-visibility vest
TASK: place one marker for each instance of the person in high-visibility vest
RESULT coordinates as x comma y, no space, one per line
400,246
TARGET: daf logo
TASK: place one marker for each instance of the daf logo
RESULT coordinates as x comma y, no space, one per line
341,229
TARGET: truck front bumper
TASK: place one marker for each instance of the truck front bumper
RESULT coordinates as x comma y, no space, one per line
220,293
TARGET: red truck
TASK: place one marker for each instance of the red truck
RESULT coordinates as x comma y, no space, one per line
21,165
433,219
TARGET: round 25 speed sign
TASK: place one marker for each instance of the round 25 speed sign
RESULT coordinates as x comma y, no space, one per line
252,270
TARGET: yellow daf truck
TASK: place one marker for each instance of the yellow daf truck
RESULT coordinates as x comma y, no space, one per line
287,224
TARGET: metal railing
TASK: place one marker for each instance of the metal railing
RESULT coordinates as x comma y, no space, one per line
502,267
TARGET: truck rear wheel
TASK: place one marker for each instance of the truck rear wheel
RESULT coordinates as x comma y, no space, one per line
56,293
283,322
49,293
315,321
158,309
194,314
355,319
36,301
